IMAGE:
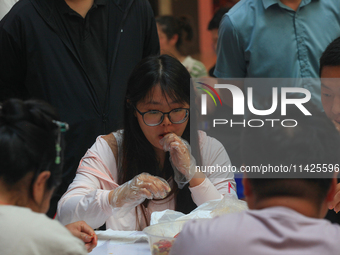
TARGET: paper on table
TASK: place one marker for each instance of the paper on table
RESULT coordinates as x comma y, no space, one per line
122,237
108,248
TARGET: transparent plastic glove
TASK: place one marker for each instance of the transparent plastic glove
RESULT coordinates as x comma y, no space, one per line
134,192
182,161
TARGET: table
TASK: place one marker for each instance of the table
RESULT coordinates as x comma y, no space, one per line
112,242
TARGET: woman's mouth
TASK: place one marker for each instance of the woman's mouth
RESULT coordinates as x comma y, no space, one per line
162,135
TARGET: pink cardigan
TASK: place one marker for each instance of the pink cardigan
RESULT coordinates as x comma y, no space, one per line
87,196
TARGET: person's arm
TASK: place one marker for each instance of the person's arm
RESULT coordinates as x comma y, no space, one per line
12,62
217,183
151,42
87,196
231,62
94,196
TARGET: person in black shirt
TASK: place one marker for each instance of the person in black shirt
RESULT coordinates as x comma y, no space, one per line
76,55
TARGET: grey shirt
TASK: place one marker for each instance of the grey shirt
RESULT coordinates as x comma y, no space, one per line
270,231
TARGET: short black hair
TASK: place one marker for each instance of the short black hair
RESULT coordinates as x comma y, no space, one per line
314,140
216,20
331,56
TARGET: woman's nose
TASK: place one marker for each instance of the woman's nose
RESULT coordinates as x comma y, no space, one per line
166,121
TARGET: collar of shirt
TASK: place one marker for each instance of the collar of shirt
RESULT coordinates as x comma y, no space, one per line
64,8
267,3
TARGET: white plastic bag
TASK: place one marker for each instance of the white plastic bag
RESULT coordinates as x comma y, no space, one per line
228,204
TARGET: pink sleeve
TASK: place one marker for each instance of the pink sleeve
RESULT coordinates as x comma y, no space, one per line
87,196
217,183
204,192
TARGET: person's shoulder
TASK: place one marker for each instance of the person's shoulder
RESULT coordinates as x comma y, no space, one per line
198,64
207,141
53,235
206,236
35,231
242,12
113,140
244,7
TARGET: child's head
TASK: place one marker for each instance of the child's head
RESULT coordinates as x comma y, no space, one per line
330,81
28,166
313,141
172,31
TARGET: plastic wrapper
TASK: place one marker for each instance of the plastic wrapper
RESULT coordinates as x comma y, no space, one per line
228,204
162,236
132,193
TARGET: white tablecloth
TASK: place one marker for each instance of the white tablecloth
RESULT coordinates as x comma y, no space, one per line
112,242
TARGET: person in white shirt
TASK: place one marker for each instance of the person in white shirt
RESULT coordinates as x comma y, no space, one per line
30,169
172,33
149,165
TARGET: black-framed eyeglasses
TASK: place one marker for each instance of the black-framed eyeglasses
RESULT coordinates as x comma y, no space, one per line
154,118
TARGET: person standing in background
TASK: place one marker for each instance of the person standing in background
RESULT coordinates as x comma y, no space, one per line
213,27
77,56
276,39
172,33
5,6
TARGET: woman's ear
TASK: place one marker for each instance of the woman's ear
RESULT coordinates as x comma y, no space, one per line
173,40
39,187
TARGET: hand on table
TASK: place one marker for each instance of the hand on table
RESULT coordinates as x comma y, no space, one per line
134,192
85,233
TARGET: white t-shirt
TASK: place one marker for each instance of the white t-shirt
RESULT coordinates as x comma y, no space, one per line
28,233
195,67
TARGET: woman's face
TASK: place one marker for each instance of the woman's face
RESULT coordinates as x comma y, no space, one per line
164,104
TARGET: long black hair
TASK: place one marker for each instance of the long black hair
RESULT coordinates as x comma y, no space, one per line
28,139
138,153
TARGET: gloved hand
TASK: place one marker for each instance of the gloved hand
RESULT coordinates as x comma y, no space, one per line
134,192
182,161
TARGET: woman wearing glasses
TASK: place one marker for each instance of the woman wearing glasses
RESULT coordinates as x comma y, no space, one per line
149,165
